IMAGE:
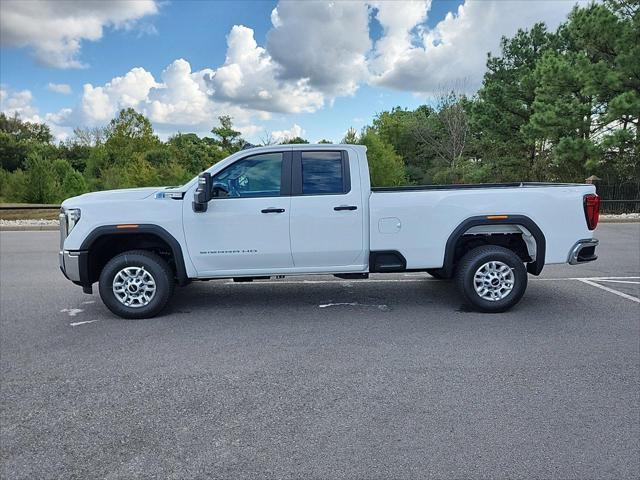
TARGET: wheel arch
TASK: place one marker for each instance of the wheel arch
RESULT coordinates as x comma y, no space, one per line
143,236
534,267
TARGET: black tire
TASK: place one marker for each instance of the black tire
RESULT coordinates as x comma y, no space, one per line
477,258
437,273
155,266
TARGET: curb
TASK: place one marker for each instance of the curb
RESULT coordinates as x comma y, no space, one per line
29,228
619,220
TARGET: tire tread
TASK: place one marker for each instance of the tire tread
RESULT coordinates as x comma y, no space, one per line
116,307
465,266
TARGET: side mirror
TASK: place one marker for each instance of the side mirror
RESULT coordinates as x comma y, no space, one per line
203,193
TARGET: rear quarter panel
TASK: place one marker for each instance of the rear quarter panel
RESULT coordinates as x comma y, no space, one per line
427,218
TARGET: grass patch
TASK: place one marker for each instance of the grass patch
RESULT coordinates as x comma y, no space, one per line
35,214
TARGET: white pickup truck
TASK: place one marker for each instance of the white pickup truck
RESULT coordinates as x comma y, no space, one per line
309,209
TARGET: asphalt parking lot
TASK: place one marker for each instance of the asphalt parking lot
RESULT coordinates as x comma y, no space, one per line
323,378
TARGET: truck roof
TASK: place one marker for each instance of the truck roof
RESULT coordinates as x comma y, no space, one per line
305,146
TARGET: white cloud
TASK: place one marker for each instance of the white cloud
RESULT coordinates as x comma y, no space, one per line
63,88
401,23
283,135
249,130
99,104
18,103
21,103
181,97
325,43
307,63
181,100
303,66
248,78
55,29
456,48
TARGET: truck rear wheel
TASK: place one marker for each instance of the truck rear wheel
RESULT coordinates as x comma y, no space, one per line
492,279
136,284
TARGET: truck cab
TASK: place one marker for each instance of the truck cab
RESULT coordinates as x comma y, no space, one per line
282,211
310,209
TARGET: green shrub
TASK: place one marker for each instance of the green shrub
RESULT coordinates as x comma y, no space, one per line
41,185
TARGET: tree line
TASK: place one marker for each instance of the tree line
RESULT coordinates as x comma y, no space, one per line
553,106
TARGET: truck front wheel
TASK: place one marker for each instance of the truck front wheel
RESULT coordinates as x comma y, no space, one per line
136,284
492,279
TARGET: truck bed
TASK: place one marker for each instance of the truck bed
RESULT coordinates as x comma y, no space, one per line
417,220
467,186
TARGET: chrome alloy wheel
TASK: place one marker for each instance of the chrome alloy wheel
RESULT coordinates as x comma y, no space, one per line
493,281
134,287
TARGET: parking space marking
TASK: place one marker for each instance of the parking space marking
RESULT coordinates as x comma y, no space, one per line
619,281
610,290
75,324
607,278
72,312
596,279
353,304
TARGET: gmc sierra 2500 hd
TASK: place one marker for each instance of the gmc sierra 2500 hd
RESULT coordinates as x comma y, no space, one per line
310,209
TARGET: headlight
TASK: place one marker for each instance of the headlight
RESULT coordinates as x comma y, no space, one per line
73,217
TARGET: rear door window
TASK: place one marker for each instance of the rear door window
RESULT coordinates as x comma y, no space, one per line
322,173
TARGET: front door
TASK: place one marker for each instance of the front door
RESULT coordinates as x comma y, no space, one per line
327,215
245,229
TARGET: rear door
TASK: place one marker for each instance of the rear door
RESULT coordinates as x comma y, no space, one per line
326,211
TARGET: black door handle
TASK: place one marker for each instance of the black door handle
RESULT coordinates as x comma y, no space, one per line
345,207
272,210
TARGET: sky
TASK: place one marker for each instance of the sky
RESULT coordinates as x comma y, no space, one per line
280,69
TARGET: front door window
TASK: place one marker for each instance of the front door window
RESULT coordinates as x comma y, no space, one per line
251,177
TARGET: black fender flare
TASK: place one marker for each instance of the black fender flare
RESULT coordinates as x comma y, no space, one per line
95,234
534,267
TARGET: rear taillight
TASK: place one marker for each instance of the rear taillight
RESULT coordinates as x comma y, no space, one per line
592,210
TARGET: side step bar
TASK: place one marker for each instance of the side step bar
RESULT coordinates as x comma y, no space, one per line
352,276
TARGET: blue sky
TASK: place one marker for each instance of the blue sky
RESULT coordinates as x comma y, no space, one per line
309,68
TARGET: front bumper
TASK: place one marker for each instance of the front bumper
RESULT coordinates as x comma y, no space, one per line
583,251
70,264
73,263
69,261
74,266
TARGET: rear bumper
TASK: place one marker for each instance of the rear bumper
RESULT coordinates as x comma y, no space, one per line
583,251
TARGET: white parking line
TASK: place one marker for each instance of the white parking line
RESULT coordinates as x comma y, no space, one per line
353,304
610,290
597,279
75,324
606,278
618,281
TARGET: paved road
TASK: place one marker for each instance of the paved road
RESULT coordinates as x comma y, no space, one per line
259,381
